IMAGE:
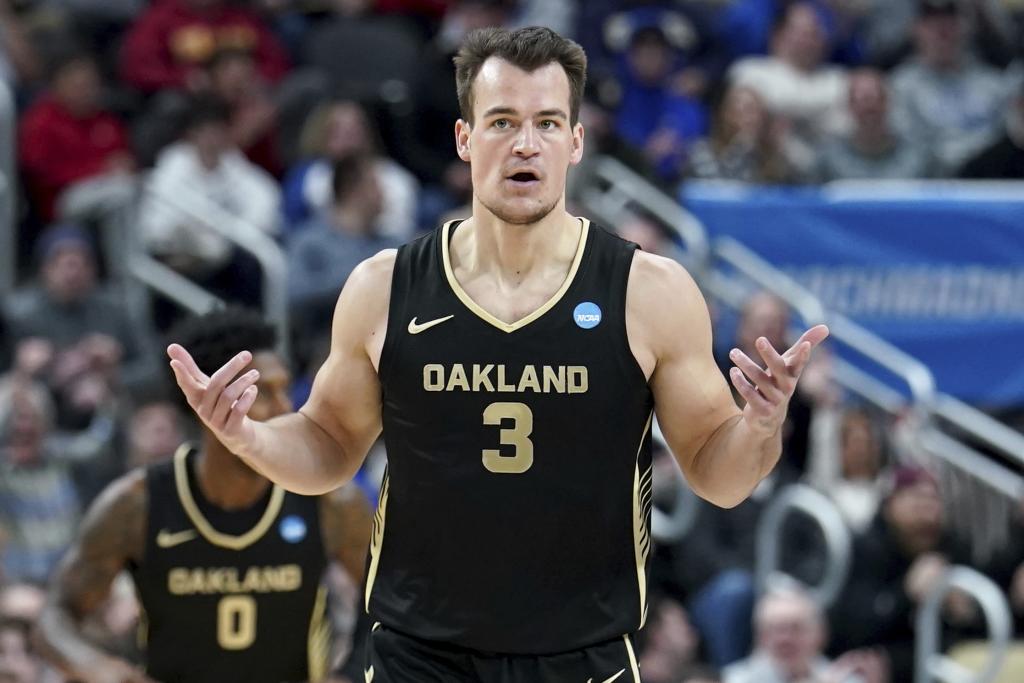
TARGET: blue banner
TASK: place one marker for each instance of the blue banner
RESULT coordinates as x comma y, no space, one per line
938,270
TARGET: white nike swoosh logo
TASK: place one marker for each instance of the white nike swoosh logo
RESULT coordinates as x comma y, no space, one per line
608,680
369,675
165,539
416,328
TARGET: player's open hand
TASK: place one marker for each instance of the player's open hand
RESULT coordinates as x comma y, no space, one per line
767,389
222,400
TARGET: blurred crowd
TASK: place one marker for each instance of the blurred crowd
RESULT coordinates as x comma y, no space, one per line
326,126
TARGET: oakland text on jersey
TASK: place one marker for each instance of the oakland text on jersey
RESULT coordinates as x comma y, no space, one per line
214,580
499,378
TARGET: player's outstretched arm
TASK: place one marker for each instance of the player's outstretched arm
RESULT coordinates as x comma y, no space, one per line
723,451
112,534
322,445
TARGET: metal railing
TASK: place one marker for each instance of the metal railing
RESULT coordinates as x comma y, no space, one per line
620,188
998,436
158,277
931,664
868,387
8,190
802,498
997,476
251,239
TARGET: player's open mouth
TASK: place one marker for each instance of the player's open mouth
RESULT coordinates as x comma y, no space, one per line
524,178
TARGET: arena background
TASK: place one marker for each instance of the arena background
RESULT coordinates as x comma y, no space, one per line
854,162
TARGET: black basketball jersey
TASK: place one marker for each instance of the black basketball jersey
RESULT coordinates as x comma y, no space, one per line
514,515
230,597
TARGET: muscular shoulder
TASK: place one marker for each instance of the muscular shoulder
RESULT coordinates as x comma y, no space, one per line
663,303
360,317
127,493
368,288
117,519
654,274
376,270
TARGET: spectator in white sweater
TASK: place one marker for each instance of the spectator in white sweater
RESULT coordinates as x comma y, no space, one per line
204,165
793,80
945,97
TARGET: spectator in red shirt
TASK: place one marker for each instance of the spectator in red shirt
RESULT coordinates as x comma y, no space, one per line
171,42
66,137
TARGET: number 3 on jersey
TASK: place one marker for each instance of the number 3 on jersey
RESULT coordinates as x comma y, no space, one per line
518,437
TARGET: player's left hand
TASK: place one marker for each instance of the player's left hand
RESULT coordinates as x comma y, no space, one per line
767,389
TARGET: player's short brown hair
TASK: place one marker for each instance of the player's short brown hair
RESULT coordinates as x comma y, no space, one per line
527,48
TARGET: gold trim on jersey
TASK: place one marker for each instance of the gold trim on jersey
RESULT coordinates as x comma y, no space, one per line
204,527
142,628
522,322
633,666
641,532
318,648
377,539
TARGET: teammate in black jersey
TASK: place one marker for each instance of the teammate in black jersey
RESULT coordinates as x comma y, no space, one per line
513,361
228,567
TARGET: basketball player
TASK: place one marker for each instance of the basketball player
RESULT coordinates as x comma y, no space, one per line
514,361
227,566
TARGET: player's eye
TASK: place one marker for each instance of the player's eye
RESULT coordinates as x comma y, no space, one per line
501,124
548,124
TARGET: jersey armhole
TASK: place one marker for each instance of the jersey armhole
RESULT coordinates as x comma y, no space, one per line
633,364
146,547
395,307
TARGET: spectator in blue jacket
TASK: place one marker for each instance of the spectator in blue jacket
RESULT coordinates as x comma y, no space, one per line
658,111
323,253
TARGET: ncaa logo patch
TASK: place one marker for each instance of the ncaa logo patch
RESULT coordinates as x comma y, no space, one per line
293,528
587,315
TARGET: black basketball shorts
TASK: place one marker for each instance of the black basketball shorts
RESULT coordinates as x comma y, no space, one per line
394,657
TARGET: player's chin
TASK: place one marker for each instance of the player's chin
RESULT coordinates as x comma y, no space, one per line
524,213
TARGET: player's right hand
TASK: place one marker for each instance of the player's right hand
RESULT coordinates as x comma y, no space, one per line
112,670
222,400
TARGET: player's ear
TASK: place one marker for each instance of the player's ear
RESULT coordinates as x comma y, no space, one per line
462,131
577,144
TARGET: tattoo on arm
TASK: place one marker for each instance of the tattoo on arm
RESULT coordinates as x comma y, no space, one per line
112,534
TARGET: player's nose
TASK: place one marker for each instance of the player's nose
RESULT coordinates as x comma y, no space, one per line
526,142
